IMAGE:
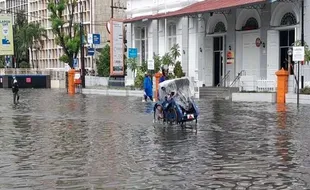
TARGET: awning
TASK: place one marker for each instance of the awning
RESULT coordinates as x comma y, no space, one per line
200,7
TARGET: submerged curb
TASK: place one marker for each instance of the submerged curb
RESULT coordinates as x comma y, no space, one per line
112,92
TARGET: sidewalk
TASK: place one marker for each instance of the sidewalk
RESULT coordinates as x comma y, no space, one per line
112,91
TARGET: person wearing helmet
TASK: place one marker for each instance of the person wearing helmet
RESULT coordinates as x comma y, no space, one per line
15,89
164,76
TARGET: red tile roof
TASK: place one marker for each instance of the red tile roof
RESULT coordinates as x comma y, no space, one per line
200,7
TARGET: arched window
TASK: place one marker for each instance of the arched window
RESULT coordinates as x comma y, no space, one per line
219,27
288,19
251,24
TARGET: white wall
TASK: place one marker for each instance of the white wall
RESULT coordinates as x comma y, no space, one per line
137,8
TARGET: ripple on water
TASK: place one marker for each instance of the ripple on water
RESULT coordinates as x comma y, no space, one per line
53,141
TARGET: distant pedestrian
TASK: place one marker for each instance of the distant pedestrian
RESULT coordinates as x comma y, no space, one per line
164,76
148,87
15,89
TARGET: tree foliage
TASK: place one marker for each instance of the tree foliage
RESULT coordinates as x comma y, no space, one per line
21,40
67,32
103,62
178,71
26,36
175,51
132,64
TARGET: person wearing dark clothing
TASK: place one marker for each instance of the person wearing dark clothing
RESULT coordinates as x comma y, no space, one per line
15,89
164,76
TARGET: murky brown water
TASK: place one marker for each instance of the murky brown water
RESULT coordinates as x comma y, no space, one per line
52,141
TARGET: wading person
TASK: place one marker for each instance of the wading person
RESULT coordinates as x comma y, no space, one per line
148,87
15,89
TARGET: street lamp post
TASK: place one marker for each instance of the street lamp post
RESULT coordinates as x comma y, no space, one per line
82,48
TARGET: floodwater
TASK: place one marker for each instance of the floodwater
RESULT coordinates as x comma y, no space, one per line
54,141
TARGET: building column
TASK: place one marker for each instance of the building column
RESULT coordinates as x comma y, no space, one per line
129,78
185,44
201,49
155,38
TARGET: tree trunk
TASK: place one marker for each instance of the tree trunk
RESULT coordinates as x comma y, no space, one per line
37,59
71,61
31,51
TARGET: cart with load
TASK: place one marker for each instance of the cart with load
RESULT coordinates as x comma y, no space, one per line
176,104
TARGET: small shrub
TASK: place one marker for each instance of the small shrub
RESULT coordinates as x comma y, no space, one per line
139,79
178,71
305,90
24,64
171,76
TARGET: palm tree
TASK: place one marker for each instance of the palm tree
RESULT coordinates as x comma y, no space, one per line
36,32
175,51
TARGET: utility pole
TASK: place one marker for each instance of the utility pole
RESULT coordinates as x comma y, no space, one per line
82,48
115,7
302,44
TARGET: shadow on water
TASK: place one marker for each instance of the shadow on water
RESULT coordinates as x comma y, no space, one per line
55,141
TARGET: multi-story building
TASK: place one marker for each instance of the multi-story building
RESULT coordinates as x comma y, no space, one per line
220,38
95,14
14,6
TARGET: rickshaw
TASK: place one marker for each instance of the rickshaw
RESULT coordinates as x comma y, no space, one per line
175,102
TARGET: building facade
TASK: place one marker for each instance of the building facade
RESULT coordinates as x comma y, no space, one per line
221,39
95,15
15,6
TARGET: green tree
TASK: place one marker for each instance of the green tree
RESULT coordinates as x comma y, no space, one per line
2,60
67,33
157,62
37,33
21,52
178,71
143,67
175,52
103,62
167,59
132,64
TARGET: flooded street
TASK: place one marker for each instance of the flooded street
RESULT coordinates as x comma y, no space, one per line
53,141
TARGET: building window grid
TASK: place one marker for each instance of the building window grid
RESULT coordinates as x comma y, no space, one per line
219,27
141,42
288,19
172,35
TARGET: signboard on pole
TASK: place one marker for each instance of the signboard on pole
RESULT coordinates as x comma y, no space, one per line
132,53
150,64
298,53
90,38
117,48
6,35
90,51
96,39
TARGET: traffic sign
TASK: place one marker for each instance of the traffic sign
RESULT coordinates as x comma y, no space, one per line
298,53
96,39
75,63
90,51
150,64
133,53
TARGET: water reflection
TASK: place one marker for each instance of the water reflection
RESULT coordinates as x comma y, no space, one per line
55,141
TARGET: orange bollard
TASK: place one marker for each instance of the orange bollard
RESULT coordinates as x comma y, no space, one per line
157,77
71,85
282,85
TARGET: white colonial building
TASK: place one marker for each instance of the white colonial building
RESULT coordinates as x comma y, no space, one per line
220,39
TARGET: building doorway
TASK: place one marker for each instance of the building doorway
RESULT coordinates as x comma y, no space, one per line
287,39
218,44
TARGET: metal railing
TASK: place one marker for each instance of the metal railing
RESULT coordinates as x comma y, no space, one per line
224,80
237,78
